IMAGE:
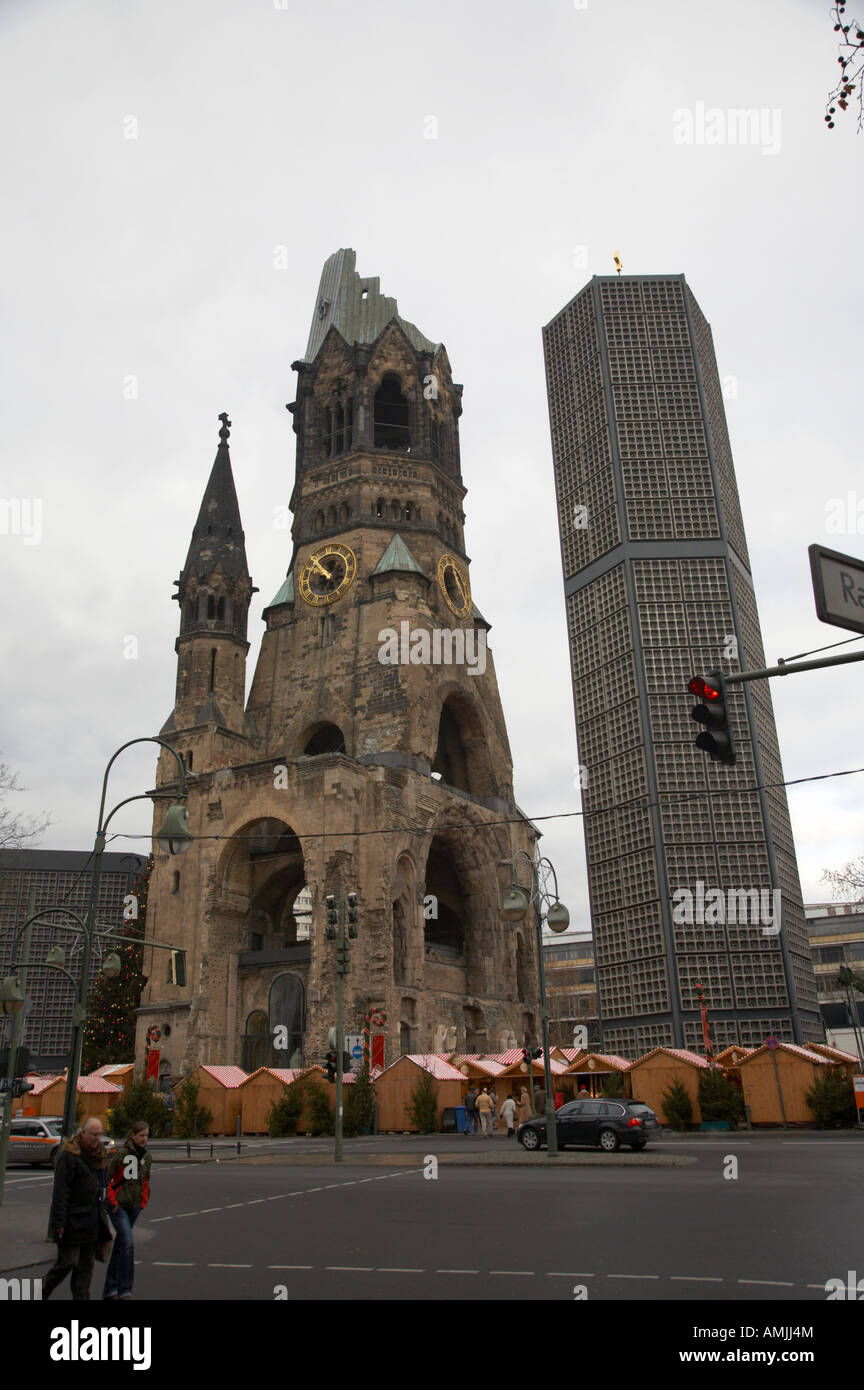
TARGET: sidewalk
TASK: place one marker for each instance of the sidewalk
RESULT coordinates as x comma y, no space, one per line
22,1237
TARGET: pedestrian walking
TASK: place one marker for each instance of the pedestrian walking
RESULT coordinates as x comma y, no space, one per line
128,1194
78,1220
484,1110
471,1120
523,1105
494,1096
559,1099
508,1115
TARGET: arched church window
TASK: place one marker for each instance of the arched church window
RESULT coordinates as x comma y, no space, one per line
409,511
331,516
395,510
211,606
256,1043
212,669
344,512
329,738
287,1010
392,416
220,610
380,506
319,521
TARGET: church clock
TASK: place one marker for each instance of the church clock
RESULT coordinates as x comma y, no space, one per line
454,585
327,574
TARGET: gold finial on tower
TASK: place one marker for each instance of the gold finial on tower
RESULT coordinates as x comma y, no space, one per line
616,256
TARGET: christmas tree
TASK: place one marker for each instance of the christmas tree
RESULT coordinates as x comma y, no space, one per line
109,1033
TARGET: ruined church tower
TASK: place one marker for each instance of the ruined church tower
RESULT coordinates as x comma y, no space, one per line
371,753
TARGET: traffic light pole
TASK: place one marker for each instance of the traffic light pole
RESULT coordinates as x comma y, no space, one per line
340,1008
18,1021
787,669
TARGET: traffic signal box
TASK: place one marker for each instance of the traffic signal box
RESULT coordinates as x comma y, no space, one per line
716,739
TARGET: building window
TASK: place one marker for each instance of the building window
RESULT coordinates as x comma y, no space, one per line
392,416
211,607
380,507
175,882
220,610
212,669
337,429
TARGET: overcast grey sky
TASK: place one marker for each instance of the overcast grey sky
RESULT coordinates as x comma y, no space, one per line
175,175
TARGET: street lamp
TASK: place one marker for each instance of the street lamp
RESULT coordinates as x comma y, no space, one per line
11,995
175,836
514,907
111,966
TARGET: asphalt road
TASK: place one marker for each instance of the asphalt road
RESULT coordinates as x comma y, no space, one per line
265,1229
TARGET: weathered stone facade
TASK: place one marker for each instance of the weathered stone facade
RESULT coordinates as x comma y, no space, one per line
392,779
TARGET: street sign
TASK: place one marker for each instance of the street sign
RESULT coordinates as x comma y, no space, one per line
838,587
771,1042
858,1086
357,1052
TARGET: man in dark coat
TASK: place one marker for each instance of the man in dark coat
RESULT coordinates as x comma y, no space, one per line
78,1199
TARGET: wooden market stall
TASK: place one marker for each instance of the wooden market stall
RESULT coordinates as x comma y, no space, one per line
590,1071
731,1058
847,1060
785,1071
220,1094
48,1097
395,1084
267,1085
651,1075
121,1074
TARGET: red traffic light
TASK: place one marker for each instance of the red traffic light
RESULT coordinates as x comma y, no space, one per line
699,686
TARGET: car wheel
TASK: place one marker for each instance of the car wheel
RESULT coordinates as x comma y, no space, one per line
608,1141
529,1139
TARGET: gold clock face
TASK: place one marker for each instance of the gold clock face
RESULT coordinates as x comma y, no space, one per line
454,586
327,574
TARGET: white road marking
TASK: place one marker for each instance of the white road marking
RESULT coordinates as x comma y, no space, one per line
290,1266
232,1205
226,1266
512,1271
696,1278
632,1276
774,1283
457,1271
155,1219
385,1269
206,1210
175,1264
559,1274
353,1269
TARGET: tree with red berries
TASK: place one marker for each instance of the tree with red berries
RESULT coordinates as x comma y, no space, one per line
109,1033
851,61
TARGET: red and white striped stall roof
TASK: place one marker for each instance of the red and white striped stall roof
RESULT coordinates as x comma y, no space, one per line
436,1066
229,1077
98,1085
828,1051
111,1067
796,1052
681,1052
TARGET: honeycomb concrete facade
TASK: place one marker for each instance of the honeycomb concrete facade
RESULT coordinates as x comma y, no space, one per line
658,588
344,768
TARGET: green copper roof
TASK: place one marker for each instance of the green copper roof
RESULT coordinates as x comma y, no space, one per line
356,307
397,556
286,593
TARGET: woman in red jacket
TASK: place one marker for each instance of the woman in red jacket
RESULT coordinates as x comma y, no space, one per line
128,1195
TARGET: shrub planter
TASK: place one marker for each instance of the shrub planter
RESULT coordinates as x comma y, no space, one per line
714,1124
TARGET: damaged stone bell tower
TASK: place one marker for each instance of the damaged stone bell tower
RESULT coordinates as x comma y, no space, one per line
372,751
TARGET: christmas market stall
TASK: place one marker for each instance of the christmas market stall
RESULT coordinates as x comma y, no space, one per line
260,1091
651,1076
775,1080
847,1060
121,1074
220,1094
395,1086
48,1097
594,1072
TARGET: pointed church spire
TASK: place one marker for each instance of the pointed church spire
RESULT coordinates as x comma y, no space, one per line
218,537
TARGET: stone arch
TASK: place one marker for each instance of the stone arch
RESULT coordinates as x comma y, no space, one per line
462,753
258,880
323,737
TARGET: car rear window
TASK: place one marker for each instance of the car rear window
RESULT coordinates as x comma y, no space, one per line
640,1108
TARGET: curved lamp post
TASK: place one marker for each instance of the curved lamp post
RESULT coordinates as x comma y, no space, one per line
514,906
174,837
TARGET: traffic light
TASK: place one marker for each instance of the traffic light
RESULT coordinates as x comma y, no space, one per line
330,1067
716,740
526,1054
332,916
18,1086
352,914
537,1052
177,969
343,958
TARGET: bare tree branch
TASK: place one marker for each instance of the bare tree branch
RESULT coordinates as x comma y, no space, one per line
16,831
